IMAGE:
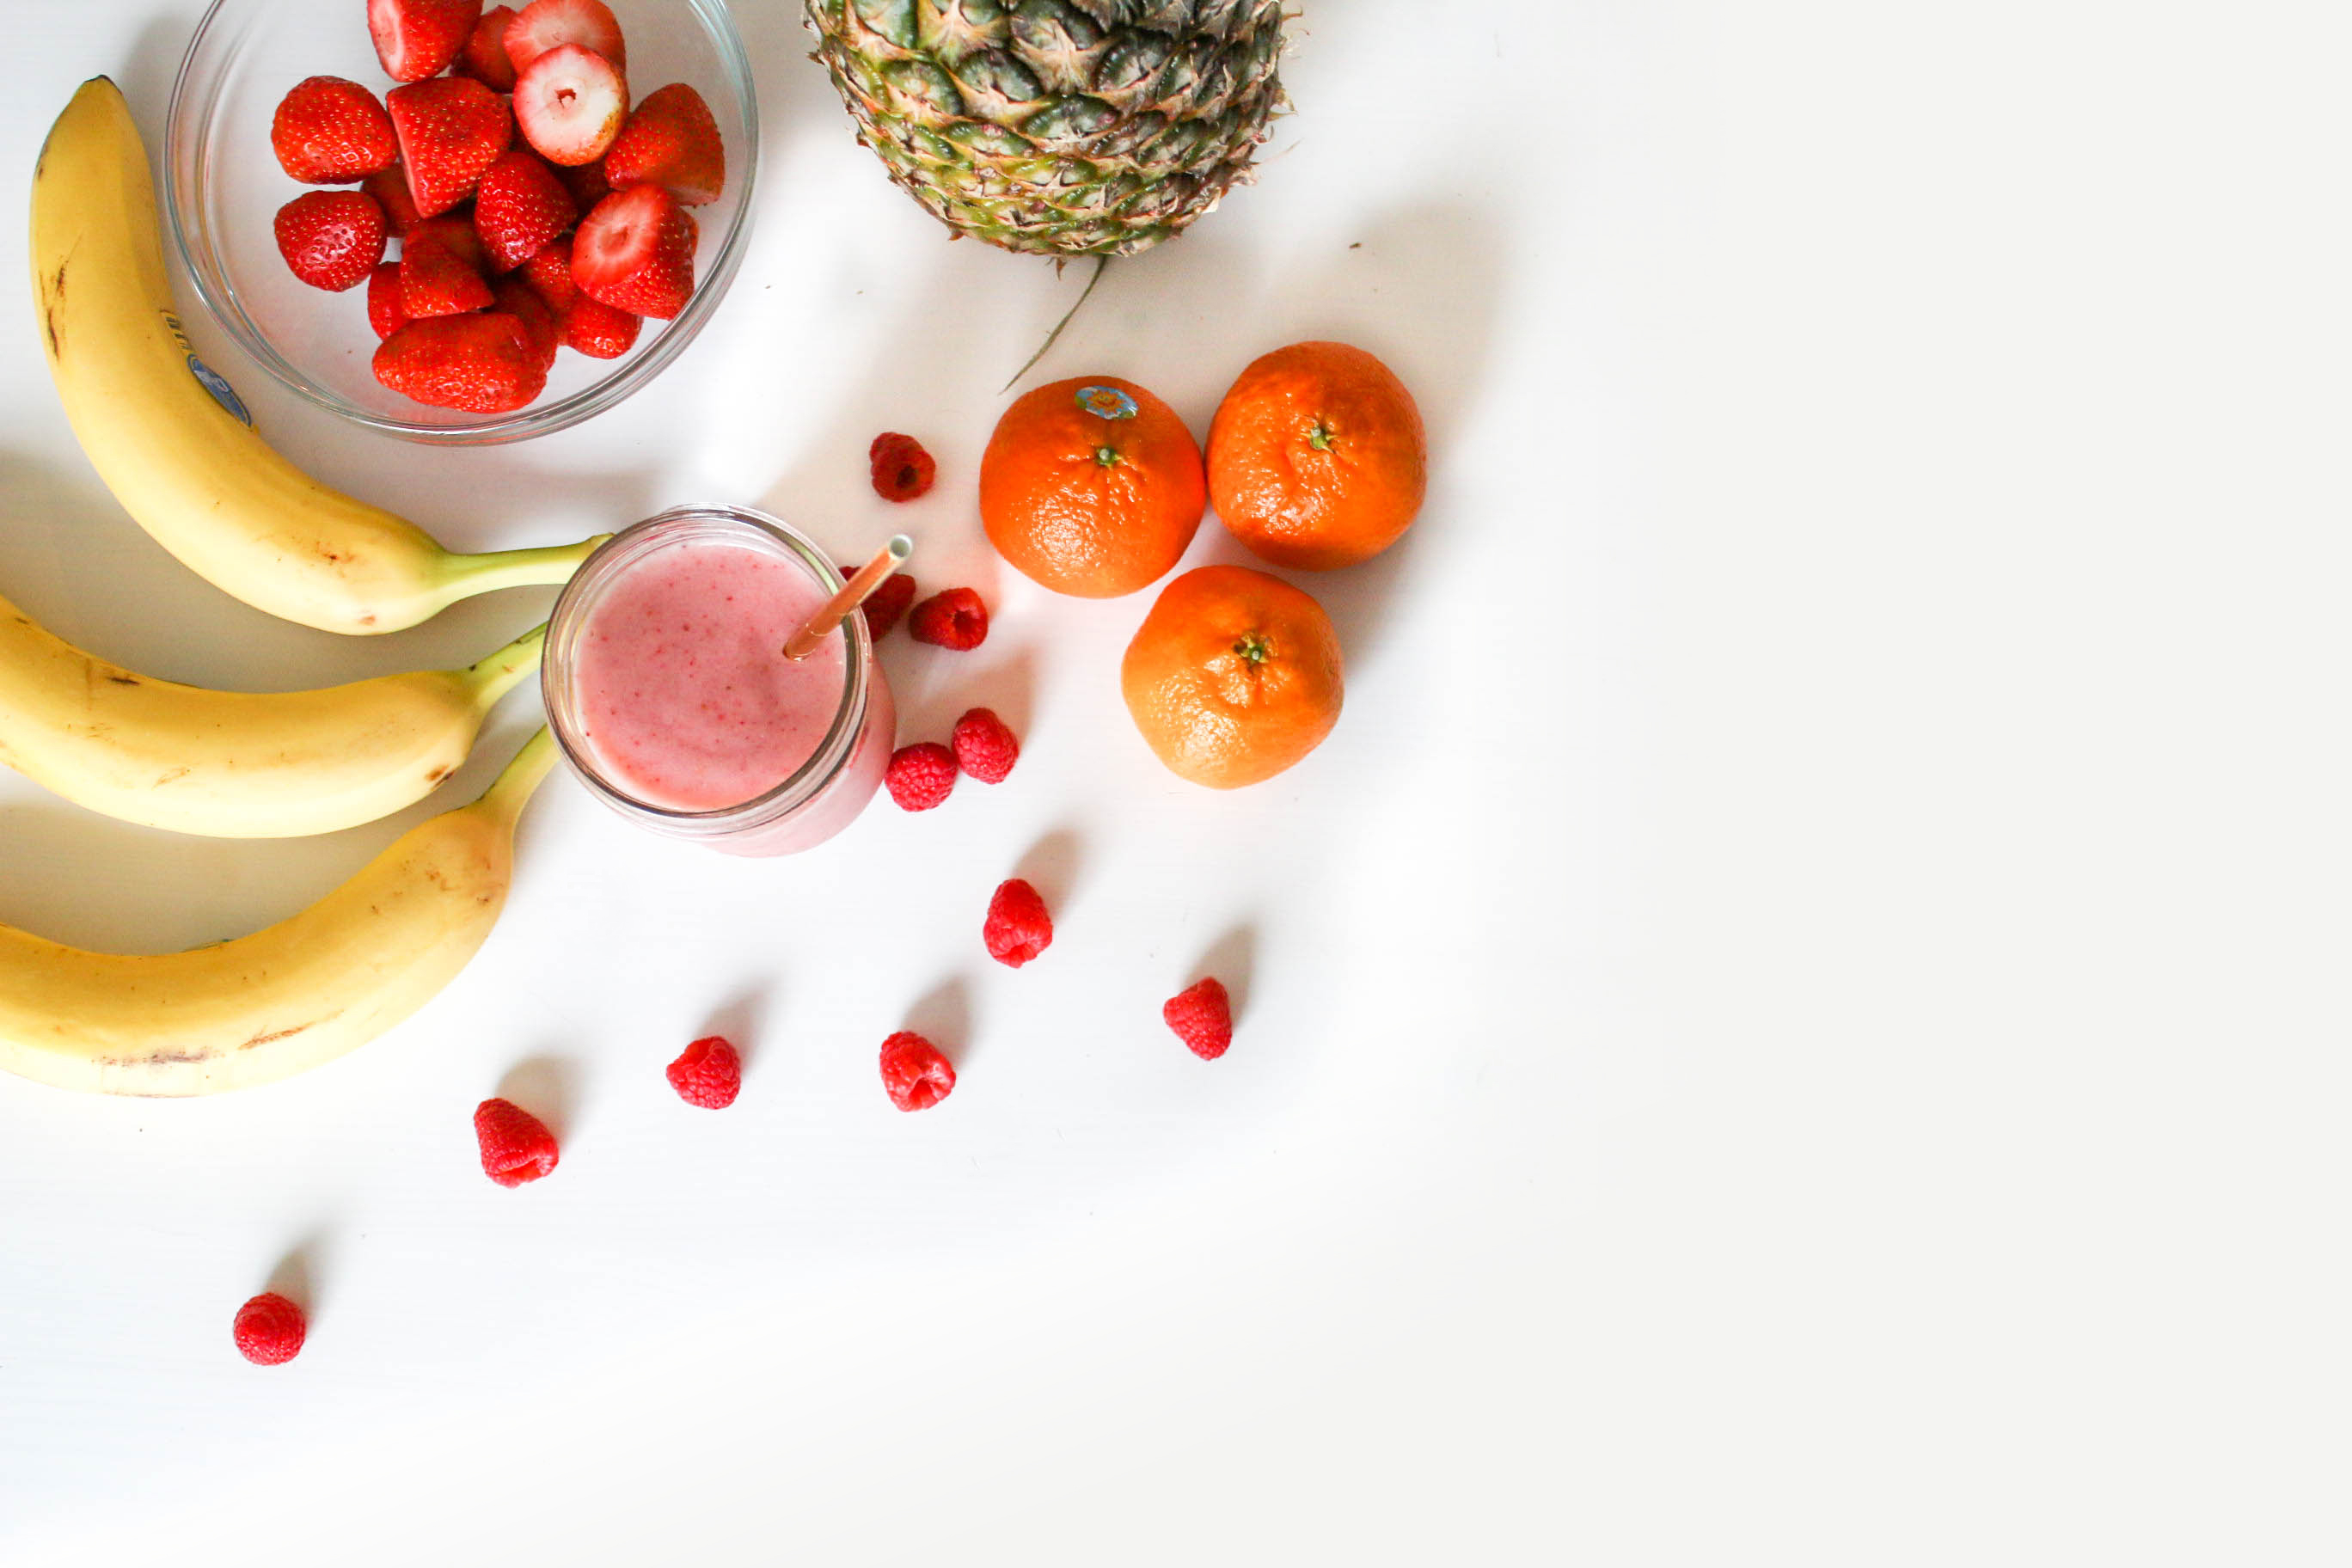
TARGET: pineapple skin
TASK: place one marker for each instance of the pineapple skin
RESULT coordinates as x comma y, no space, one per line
1058,127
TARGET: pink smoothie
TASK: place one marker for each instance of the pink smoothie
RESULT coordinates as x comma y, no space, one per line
686,700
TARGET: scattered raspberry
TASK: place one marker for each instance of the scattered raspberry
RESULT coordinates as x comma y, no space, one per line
887,603
1018,927
902,469
1203,1017
707,1073
955,619
517,1147
985,746
913,1073
921,776
269,1329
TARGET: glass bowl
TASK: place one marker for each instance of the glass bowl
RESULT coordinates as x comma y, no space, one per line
223,186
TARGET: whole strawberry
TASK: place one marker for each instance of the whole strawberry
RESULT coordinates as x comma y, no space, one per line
483,364
485,57
670,140
519,207
450,129
328,131
418,38
593,328
331,239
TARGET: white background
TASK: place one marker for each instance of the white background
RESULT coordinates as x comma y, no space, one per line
1800,1016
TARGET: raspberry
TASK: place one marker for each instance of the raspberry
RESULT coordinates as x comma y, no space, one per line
517,1147
920,775
269,1329
955,619
887,603
913,1073
985,746
1018,927
1203,1017
902,469
707,1073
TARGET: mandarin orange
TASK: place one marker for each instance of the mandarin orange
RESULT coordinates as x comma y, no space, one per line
1317,457
1233,676
1092,486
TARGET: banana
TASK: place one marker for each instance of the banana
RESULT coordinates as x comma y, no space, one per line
172,441
238,765
287,998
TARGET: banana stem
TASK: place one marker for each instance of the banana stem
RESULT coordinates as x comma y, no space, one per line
463,576
504,800
494,676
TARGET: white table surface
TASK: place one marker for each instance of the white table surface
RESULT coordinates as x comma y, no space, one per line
1799,1017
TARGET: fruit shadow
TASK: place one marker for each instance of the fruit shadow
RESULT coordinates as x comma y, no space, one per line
943,1016
1232,962
934,690
741,1017
298,1273
1053,866
547,1086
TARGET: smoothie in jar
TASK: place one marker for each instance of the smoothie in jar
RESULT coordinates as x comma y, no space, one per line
669,689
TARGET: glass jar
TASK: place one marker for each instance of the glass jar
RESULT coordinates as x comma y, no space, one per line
825,794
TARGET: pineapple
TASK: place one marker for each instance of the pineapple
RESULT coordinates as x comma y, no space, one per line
1065,127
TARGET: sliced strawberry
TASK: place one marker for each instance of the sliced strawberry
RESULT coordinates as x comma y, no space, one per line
385,310
332,239
517,299
599,330
436,278
545,25
388,186
635,252
549,275
671,141
483,364
327,132
450,130
484,58
586,182
519,206
418,38
570,103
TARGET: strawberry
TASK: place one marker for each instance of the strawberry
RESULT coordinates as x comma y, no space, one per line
597,330
516,299
450,130
455,230
416,38
550,272
518,208
328,131
671,141
483,364
332,239
635,252
438,278
570,103
586,182
545,25
388,186
385,310
484,58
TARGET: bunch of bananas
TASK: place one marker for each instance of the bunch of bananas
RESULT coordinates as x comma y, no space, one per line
184,460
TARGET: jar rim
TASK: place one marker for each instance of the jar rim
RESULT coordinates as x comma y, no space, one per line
736,527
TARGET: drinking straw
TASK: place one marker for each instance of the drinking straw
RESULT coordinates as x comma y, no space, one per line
886,560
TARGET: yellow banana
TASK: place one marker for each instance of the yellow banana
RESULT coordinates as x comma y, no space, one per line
238,765
282,1000
174,444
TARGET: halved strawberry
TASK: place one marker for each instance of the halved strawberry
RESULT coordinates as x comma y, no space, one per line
450,130
519,207
635,252
484,58
517,299
570,102
417,38
671,141
599,330
436,278
483,364
388,186
384,312
328,131
332,239
549,275
545,25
